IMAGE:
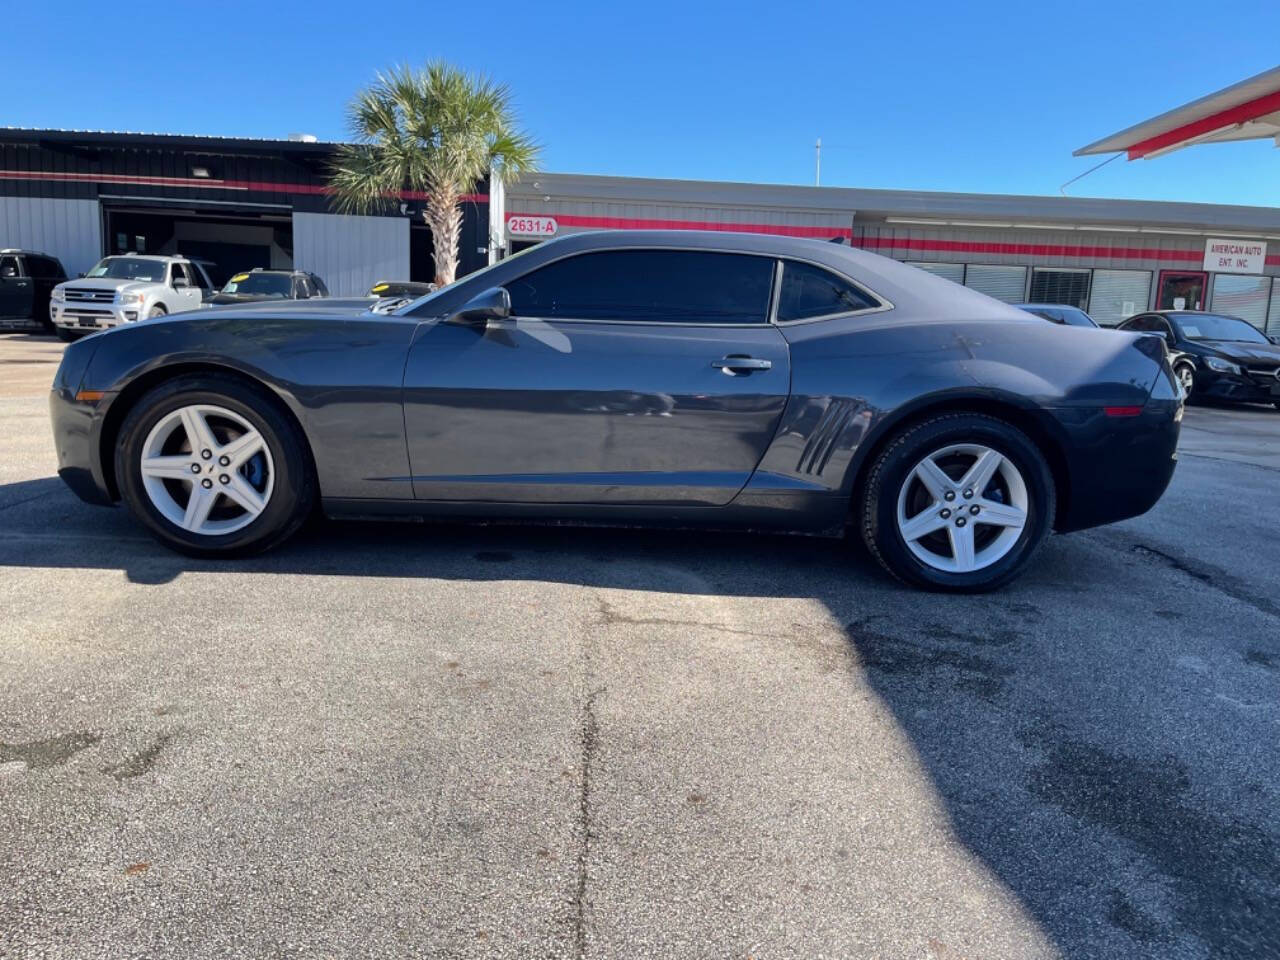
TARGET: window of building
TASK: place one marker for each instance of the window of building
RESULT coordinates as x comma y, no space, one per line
948,271
809,291
1055,285
1240,296
663,286
1118,294
1003,283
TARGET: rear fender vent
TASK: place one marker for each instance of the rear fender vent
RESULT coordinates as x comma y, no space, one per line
822,441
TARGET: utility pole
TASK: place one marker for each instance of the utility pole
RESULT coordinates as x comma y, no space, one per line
817,163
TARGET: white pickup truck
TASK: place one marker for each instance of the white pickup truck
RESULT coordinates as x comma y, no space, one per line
125,288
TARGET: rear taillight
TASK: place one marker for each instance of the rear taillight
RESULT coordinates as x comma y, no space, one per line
1122,411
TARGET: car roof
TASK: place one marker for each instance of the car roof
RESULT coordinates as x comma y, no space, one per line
21,251
1051,306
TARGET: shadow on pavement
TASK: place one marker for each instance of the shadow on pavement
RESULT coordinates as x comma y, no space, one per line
1114,852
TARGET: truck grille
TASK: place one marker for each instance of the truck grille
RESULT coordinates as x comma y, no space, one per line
82,295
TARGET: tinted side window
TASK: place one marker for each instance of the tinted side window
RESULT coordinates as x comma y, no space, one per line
1139,324
660,286
809,291
177,272
44,267
9,267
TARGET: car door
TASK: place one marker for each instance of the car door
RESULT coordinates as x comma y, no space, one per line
624,376
186,294
15,288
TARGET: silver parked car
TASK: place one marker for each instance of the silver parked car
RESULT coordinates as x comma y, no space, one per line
121,289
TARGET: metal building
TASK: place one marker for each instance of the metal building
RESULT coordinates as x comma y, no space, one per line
1110,257
239,203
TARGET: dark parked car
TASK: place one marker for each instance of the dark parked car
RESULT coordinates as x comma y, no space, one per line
259,284
1059,313
26,280
401,288
1215,355
636,377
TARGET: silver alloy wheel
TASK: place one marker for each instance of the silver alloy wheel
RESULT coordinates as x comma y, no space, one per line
207,469
968,523
1186,376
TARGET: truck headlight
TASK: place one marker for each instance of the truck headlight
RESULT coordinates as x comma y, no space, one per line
133,299
1218,365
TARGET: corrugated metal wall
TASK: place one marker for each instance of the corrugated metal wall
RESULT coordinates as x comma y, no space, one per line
351,253
70,230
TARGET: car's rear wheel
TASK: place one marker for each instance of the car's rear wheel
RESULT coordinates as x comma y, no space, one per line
958,502
213,466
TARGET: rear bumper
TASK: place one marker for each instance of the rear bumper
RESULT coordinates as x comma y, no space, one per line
1118,467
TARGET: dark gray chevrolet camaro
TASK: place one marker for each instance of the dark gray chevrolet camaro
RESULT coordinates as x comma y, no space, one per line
644,377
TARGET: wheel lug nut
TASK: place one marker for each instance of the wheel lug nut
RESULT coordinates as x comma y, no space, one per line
959,521
945,514
224,478
974,509
206,483
949,496
206,454
225,461
195,468
968,494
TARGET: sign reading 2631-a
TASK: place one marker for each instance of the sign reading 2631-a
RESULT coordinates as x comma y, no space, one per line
518,226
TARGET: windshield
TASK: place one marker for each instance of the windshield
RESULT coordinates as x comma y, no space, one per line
260,284
1210,326
412,309
129,268
1077,318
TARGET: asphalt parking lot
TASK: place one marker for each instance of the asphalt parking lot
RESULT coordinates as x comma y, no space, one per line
387,740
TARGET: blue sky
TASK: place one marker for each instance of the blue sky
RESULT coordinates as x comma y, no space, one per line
981,96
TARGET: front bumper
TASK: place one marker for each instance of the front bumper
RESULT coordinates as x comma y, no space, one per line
70,315
1249,387
76,427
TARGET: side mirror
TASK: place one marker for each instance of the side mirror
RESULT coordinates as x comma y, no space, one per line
491,304
79,276
181,283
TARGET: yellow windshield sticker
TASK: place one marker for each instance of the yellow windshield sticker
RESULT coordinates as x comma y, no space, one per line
380,287
240,278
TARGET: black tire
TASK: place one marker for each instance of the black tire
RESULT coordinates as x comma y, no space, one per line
294,486
878,509
157,311
66,336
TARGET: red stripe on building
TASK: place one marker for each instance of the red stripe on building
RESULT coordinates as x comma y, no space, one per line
203,183
1093,252
645,223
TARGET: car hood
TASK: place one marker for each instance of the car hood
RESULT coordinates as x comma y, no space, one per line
1236,350
108,283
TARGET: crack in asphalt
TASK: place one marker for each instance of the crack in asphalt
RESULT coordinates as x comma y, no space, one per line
589,732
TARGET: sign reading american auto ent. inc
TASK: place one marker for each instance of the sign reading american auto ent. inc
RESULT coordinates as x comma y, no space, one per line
1234,256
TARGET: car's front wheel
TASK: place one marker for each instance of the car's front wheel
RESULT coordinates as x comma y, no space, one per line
958,502
1186,374
213,466
66,336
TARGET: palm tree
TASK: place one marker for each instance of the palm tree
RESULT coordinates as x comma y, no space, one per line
437,131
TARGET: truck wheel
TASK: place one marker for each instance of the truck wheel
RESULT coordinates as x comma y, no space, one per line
157,311
66,336
958,503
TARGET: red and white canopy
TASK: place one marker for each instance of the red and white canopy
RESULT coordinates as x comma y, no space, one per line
1249,110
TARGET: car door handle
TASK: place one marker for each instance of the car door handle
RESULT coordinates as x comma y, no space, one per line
735,364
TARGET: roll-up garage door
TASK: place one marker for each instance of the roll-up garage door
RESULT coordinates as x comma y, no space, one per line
351,253
1003,283
1242,296
1118,294
948,271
